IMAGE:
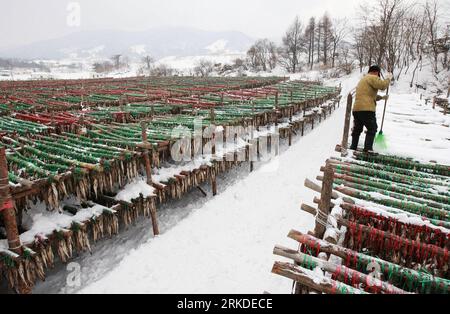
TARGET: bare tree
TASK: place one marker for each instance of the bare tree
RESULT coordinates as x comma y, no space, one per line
318,39
431,17
345,62
103,67
238,62
359,48
292,46
252,57
339,32
309,38
383,36
327,26
204,68
116,61
148,63
162,70
272,55
263,55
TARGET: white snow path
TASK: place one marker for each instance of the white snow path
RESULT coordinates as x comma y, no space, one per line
226,245
414,129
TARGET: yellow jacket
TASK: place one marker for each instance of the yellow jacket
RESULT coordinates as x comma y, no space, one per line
367,92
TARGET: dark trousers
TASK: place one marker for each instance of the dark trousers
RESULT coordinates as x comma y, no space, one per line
363,119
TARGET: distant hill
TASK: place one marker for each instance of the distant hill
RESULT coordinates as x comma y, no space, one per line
159,43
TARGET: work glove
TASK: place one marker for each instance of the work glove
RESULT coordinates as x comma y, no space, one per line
389,76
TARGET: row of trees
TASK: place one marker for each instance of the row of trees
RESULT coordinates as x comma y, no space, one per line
117,62
317,43
148,66
396,34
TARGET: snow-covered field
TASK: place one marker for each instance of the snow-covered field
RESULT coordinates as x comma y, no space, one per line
224,244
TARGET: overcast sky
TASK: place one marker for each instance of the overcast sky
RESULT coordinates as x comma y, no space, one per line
25,21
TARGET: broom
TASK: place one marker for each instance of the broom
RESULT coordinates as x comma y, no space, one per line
380,139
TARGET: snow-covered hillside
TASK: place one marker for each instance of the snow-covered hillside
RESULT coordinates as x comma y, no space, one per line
158,42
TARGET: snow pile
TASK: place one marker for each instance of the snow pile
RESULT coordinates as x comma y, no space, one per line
133,190
43,222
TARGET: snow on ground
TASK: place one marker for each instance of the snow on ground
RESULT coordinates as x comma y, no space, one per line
414,129
225,245
133,190
214,245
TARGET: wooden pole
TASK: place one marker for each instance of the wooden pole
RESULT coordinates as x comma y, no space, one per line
325,202
148,167
341,270
213,182
154,218
9,216
315,187
348,114
276,109
212,115
202,191
309,209
448,88
343,253
301,276
7,207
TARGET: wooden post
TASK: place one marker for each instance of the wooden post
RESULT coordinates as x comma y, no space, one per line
7,207
448,88
325,202
154,218
276,109
148,167
213,181
9,216
52,119
212,115
348,114
322,285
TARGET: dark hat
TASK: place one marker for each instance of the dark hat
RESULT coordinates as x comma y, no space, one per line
375,68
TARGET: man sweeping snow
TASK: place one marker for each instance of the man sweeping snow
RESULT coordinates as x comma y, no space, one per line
364,109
